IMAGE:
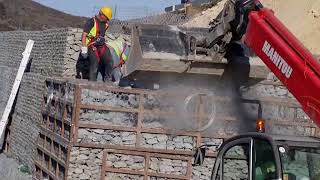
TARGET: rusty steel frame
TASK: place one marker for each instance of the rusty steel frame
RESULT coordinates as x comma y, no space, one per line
145,173
139,129
73,121
77,105
59,139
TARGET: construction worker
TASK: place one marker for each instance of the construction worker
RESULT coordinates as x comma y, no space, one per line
119,49
93,44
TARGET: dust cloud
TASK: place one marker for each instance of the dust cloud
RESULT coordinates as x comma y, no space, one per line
188,96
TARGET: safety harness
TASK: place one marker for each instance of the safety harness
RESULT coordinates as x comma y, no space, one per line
93,37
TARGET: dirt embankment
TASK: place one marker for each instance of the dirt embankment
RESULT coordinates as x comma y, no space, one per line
302,18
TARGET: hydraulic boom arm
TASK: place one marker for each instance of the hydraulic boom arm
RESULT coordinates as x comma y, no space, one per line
286,57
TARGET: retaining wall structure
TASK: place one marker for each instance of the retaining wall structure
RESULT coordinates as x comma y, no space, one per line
47,59
96,131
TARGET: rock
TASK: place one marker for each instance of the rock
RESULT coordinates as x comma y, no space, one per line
78,171
119,164
188,140
77,36
69,51
179,145
112,158
188,146
148,136
196,173
98,131
154,166
165,168
178,169
74,152
133,100
117,140
107,137
82,132
131,137
170,147
137,159
159,146
152,141
84,176
137,166
176,162
125,134
178,139
83,157
162,138
185,164
281,91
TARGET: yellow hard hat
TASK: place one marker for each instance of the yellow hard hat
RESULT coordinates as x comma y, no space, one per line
107,11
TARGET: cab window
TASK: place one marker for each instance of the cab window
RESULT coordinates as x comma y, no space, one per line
264,161
236,163
300,163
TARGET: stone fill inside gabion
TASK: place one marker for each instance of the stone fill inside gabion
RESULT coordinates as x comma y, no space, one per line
109,98
129,162
108,118
162,141
212,141
204,171
85,163
111,137
168,166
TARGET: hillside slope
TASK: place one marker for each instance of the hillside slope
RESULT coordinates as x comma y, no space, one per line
30,15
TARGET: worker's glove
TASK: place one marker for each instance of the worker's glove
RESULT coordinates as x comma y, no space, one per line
84,52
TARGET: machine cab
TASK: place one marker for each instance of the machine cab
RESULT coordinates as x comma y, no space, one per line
257,156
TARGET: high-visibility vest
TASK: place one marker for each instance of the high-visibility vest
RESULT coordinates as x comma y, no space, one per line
119,48
94,32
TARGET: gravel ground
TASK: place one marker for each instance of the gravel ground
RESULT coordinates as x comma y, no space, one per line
11,170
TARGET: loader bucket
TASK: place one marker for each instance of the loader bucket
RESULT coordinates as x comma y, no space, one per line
157,48
161,48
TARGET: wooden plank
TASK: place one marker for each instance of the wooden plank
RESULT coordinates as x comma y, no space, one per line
5,116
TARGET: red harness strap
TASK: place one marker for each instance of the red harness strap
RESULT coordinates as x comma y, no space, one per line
99,52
